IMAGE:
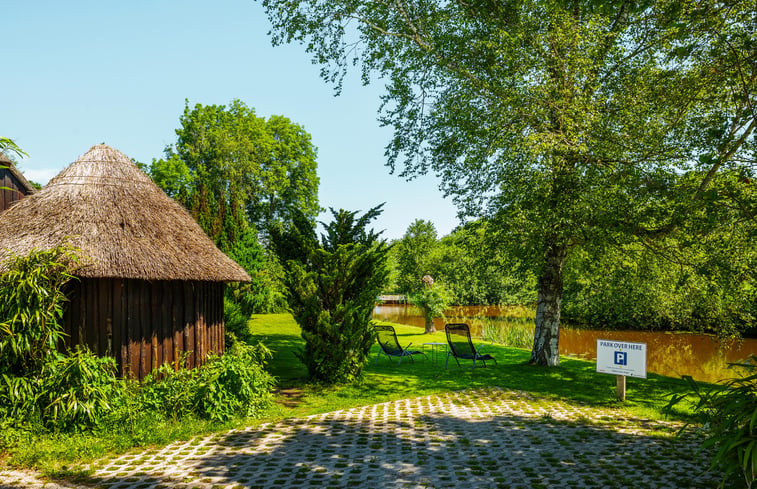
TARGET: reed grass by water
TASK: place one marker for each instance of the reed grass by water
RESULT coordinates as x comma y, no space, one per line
516,334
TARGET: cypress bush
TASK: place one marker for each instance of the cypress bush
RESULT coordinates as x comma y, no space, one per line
332,287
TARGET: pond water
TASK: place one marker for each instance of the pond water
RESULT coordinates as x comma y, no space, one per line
703,357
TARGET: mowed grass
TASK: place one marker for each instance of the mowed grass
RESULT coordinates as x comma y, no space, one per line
573,380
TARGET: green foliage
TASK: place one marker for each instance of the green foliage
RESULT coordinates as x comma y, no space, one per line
689,283
479,270
565,122
232,169
468,261
517,334
7,144
233,384
432,300
78,391
236,322
31,306
412,254
729,416
264,293
332,287
74,392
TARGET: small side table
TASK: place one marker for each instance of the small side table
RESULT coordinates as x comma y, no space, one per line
436,348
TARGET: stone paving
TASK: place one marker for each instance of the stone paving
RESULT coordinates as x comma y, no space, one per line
472,439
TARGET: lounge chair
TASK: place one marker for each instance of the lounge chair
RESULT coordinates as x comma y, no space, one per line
461,346
387,340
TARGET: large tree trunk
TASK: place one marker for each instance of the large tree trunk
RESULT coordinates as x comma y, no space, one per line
547,332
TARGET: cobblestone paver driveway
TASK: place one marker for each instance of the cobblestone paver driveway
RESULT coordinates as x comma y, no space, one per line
470,439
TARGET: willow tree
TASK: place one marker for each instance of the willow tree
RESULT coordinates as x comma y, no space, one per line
565,122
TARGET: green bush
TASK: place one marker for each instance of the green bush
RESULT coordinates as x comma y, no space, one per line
236,323
728,415
72,392
31,306
333,285
433,300
78,391
233,384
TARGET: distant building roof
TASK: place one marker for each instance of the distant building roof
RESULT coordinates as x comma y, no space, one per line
25,184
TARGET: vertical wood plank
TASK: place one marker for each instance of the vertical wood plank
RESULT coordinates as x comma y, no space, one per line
104,322
153,291
199,325
177,306
144,332
120,345
132,300
188,322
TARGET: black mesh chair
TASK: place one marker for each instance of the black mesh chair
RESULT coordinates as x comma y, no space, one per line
387,340
461,346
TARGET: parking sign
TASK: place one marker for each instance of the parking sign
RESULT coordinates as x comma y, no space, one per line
622,358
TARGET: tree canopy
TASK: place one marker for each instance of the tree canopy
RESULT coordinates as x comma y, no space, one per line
565,122
229,166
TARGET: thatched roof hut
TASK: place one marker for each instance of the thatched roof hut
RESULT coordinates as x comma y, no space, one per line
13,185
153,284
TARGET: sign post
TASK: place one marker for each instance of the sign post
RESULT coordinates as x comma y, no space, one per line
624,359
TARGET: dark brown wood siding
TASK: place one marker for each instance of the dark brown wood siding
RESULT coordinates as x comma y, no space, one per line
146,324
11,190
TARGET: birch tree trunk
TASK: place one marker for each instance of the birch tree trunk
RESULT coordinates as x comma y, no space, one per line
546,350
429,322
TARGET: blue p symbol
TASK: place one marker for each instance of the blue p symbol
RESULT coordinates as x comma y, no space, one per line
621,358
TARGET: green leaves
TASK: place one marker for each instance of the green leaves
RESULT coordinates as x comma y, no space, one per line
233,384
231,168
31,307
729,416
7,144
332,287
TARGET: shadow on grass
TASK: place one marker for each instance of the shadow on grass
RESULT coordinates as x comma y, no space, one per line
423,444
574,379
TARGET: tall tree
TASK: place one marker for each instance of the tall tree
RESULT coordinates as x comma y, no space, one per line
412,254
567,122
230,167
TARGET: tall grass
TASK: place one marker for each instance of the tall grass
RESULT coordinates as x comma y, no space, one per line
514,333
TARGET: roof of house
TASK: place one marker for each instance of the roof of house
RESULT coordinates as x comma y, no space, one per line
123,224
6,162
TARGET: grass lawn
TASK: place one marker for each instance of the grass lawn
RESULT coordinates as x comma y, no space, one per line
574,380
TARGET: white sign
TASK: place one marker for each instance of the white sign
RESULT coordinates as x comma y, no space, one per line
622,358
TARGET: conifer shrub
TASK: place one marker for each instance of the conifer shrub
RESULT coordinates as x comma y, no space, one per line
332,287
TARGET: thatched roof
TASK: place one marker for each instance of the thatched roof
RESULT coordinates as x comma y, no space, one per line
124,225
8,164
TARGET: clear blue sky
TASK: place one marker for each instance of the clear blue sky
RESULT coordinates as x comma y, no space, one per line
80,73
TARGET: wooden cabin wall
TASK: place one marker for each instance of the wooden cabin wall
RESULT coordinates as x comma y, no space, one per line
146,324
11,189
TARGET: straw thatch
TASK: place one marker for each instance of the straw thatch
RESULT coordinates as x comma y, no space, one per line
124,225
